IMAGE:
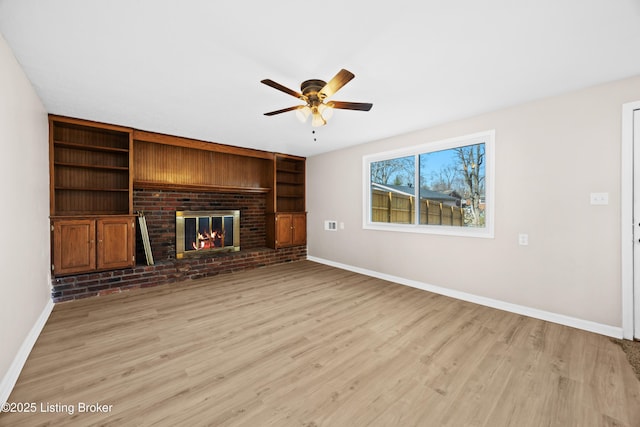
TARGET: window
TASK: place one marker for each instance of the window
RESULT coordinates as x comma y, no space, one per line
395,176
444,187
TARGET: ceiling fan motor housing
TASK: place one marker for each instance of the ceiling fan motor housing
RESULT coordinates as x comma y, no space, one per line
312,87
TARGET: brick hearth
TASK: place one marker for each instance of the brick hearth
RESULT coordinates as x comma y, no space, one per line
159,208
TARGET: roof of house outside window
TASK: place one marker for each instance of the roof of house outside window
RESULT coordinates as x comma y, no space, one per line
410,191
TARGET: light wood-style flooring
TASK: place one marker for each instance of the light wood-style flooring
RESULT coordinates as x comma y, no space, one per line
303,344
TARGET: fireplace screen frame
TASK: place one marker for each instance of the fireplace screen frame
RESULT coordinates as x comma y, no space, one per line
181,216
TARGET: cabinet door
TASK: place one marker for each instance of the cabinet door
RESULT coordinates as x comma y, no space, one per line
284,234
299,229
116,237
74,247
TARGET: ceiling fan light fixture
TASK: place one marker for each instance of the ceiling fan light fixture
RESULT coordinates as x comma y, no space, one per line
326,110
303,113
317,120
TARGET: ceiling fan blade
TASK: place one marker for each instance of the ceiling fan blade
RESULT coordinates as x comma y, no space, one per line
284,89
342,78
284,110
360,106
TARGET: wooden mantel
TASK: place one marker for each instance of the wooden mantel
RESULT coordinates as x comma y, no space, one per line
150,185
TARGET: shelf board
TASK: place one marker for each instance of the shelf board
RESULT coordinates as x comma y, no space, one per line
290,183
292,196
87,147
87,166
80,214
285,169
92,189
199,187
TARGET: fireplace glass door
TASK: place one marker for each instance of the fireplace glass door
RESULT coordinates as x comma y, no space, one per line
198,231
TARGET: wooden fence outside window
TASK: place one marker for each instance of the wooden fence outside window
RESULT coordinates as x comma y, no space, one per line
400,209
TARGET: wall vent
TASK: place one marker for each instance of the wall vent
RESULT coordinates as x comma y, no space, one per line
330,225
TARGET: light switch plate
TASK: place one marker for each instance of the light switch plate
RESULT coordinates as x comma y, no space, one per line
599,198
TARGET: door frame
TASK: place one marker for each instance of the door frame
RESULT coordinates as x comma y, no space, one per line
627,223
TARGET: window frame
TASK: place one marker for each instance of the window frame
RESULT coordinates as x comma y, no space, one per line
486,137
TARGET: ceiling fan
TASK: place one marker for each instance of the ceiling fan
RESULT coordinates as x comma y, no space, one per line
314,93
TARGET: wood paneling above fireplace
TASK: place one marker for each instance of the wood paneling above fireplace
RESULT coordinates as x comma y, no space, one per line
167,166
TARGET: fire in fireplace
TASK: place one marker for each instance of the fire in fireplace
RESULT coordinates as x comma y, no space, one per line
198,231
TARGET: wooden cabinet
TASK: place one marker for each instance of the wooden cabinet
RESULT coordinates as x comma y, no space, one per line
74,246
82,245
116,241
287,229
298,229
287,223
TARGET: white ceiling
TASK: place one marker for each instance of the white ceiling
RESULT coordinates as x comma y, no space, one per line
193,68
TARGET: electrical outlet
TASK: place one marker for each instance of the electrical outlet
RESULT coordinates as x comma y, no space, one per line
599,198
523,239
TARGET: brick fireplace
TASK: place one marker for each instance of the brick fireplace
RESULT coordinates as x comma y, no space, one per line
159,207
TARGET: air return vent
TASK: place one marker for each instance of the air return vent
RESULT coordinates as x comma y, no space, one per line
330,225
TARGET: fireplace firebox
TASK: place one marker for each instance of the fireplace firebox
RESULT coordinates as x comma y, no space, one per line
207,231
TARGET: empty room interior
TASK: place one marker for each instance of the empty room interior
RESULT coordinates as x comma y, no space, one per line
332,214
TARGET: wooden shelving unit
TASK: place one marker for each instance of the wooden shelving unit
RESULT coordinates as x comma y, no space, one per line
93,174
90,168
290,184
91,195
287,225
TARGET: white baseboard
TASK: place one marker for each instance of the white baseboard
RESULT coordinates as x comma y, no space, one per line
587,325
11,377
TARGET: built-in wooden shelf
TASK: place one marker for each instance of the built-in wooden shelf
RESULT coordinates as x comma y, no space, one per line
284,167
81,216
87,147
94,168
90,166
92,189
199,187
289,195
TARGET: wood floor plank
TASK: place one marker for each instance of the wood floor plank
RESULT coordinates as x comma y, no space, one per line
303,344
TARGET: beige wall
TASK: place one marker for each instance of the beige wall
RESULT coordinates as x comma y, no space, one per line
24,185
550,155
